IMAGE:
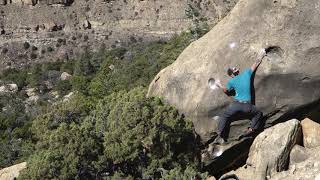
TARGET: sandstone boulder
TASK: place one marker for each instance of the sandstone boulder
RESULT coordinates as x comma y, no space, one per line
308,169
269,152
67,97
211,178
9,88
311,133
298,154
32,99
65,76
31,92
286,84
12,172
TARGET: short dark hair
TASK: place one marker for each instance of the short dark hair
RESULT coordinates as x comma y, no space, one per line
229,71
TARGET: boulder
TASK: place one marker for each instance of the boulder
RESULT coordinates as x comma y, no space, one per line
9,88
311,133
65,76
67,97
32,99
54,94
270,151
211,178
286,84
217,159
12,172
308,169
298,154
31,92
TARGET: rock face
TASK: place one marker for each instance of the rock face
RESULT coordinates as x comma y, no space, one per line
304,161
282,137
308,169
298,154
270,151
12,172
311,133
46,30
286,83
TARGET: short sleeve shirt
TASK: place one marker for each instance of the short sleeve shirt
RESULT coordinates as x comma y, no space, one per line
242,85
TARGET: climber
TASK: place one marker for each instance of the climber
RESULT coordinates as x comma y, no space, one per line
241,84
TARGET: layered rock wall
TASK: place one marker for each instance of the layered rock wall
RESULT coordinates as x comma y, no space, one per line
48,30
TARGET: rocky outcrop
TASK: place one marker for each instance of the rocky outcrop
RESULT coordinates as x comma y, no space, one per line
270,151
308,169
8,88
35,2
286,84
311,133
48,30
12,172
304,161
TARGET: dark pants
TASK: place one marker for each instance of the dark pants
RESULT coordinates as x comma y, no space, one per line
235,110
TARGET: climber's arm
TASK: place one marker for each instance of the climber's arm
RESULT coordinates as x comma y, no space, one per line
256,64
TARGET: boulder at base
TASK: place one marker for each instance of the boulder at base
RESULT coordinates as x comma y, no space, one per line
298,154
270,151
308,169
311,133
286,84
12,172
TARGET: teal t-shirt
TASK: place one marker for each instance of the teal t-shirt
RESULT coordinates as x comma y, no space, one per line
241,84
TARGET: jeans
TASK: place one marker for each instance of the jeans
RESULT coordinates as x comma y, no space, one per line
235,110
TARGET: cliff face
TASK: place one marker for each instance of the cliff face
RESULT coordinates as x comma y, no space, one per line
286,84
47,30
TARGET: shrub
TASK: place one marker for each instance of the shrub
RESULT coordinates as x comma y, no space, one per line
26,45
67,67
179,173
146,62
65,147
14,130
50,49
63,87
143,134
35,75
127,136
15,76
83,65
79,83
33,56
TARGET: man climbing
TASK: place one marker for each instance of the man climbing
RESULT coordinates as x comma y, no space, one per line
241,84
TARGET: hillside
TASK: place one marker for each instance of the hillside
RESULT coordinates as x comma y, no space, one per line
34,31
